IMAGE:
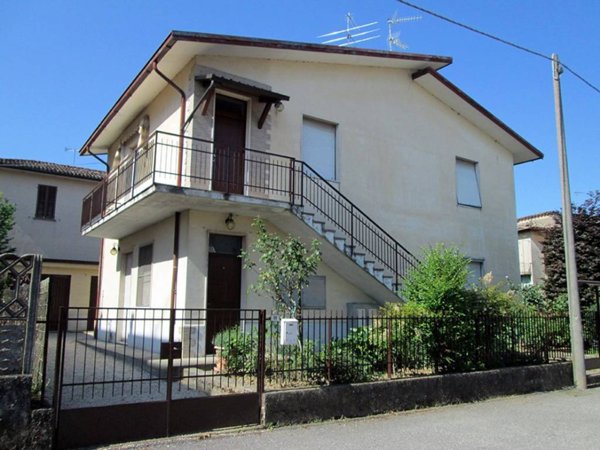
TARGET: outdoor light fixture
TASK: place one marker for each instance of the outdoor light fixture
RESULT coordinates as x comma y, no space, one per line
114,250
279,107
229,222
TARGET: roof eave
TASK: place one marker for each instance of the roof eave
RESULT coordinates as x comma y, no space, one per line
439,86
175,36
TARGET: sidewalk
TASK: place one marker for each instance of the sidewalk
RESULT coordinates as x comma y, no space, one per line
561,419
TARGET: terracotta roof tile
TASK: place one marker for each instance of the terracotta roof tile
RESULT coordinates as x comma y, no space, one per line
52,168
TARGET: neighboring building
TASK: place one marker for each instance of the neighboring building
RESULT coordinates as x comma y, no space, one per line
532,234
48,200
374,153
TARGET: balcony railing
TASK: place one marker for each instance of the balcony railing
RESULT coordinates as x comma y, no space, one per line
246,172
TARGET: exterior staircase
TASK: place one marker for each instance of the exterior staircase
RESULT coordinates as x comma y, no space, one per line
331,215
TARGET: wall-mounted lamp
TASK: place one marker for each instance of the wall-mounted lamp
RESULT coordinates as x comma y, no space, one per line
279,107
114,250
229,222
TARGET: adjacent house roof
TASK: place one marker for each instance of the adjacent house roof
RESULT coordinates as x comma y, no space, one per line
538,222
51,168
180,47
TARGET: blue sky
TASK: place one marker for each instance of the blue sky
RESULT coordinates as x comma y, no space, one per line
64,64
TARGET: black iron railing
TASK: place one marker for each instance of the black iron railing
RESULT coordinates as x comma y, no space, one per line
250,173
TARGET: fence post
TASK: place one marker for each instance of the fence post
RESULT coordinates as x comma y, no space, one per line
58,368
170,369
292,181
261,363
598,319
328,360
389,347
351,230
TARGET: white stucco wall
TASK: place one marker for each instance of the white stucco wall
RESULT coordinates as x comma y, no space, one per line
397,147
54,239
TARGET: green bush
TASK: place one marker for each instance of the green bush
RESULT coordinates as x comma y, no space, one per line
239,349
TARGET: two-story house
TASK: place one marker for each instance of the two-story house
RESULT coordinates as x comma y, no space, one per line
48,200
374,153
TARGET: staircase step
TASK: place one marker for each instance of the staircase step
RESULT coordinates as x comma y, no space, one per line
340,243
388,280
359,258
349,249
370,266
318,226
329,235
308,218
378,273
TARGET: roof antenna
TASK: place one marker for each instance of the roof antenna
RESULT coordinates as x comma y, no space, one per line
73,150
349,36
394,38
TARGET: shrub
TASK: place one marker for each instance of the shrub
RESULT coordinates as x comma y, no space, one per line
239,349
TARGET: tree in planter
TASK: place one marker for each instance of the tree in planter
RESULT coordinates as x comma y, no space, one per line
7,211
586,228
286,265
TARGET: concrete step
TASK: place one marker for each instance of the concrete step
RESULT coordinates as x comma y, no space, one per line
370,266
359,258
329,235
340,243
308,218
318,226
388,280
378,273
349,249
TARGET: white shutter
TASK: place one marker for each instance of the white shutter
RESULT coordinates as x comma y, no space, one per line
318,147
467,183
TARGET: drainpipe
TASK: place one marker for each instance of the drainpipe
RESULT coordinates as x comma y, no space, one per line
181,119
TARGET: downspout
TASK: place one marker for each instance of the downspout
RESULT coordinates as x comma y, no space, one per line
181,119
175,260
100,255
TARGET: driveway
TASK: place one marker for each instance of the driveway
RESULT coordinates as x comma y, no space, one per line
561,419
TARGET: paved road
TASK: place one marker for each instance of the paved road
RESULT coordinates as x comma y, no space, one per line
563,419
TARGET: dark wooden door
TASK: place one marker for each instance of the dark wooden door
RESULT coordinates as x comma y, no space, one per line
229,144
59,291
223,286
93,303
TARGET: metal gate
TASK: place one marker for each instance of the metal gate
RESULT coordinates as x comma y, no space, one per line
144,373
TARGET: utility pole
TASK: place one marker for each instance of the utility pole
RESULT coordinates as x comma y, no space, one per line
576,329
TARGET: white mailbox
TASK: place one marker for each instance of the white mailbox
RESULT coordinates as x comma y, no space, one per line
289,332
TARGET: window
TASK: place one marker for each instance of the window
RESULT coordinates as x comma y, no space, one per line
144,278
467,183
46,202
475,272
313,295
526,280
318,147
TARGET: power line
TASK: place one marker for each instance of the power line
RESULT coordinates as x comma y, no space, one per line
498,39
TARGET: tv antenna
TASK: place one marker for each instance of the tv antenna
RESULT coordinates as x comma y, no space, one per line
349,37
394,38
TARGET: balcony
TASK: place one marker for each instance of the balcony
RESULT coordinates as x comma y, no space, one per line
171,164
175,173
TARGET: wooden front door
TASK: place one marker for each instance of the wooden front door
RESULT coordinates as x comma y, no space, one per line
224,286
229,144
58,295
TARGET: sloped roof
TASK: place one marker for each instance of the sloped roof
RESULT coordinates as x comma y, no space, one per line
52,168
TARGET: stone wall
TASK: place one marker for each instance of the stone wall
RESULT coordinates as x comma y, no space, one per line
357,400
20,426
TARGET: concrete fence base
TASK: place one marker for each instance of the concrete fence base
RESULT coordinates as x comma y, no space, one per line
357,400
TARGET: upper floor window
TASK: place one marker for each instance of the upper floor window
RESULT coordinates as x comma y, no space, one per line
318,147
46,202
467,183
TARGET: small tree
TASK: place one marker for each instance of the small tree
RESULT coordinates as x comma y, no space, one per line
586,228
7,211
286,265
438,281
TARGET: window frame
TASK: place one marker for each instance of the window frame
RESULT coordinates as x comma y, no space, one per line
45,207
335,127
460,200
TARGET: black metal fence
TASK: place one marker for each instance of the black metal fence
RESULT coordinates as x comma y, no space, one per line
143,354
